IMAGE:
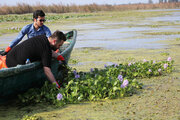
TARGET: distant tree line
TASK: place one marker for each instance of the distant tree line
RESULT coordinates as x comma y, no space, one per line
165,1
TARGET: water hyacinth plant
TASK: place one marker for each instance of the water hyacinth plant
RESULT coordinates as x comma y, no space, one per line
115,65
75,72
120,77
91,70
77,76
124,84
169,59
108,83
105,65
165,66
129,64
144,60
59,96
159,70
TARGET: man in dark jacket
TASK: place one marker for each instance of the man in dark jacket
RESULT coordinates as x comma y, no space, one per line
39,48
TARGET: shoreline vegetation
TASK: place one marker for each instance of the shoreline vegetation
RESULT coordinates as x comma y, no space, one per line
23,8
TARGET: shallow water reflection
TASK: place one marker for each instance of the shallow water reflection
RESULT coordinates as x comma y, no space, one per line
124,35
175,17
114,45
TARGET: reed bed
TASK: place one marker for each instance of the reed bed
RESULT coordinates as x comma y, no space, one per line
22,8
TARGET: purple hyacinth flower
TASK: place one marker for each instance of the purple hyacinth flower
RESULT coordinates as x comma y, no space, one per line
120,77
154,62
74,72
105,65
77,76
115,65
165,66
169,59
159,70
92,70
59,96
124,84
150,70
129,64
144,60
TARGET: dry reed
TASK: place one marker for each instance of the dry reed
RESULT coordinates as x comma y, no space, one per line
22,8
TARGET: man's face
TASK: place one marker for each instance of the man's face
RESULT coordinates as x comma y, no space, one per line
56,46
40,21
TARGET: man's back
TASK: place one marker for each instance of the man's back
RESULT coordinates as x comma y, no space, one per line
34,49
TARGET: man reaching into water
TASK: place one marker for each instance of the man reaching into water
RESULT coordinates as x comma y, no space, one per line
39,48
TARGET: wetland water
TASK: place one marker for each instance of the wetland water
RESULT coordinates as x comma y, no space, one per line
119,35
160,96
124,35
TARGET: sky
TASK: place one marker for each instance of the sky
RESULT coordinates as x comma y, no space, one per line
69,2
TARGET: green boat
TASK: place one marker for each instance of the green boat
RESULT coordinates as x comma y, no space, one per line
16,80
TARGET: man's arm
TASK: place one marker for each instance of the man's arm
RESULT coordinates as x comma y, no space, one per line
16,41
50,76
20,36
54,54
47,31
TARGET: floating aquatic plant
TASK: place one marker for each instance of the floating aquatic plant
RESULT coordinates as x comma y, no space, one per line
59,96
124,84
113,81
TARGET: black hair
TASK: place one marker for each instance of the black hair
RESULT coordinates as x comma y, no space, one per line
38,13
59,35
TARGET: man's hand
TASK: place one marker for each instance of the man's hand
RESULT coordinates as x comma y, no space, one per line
50,76
3,53
57,85
6,51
